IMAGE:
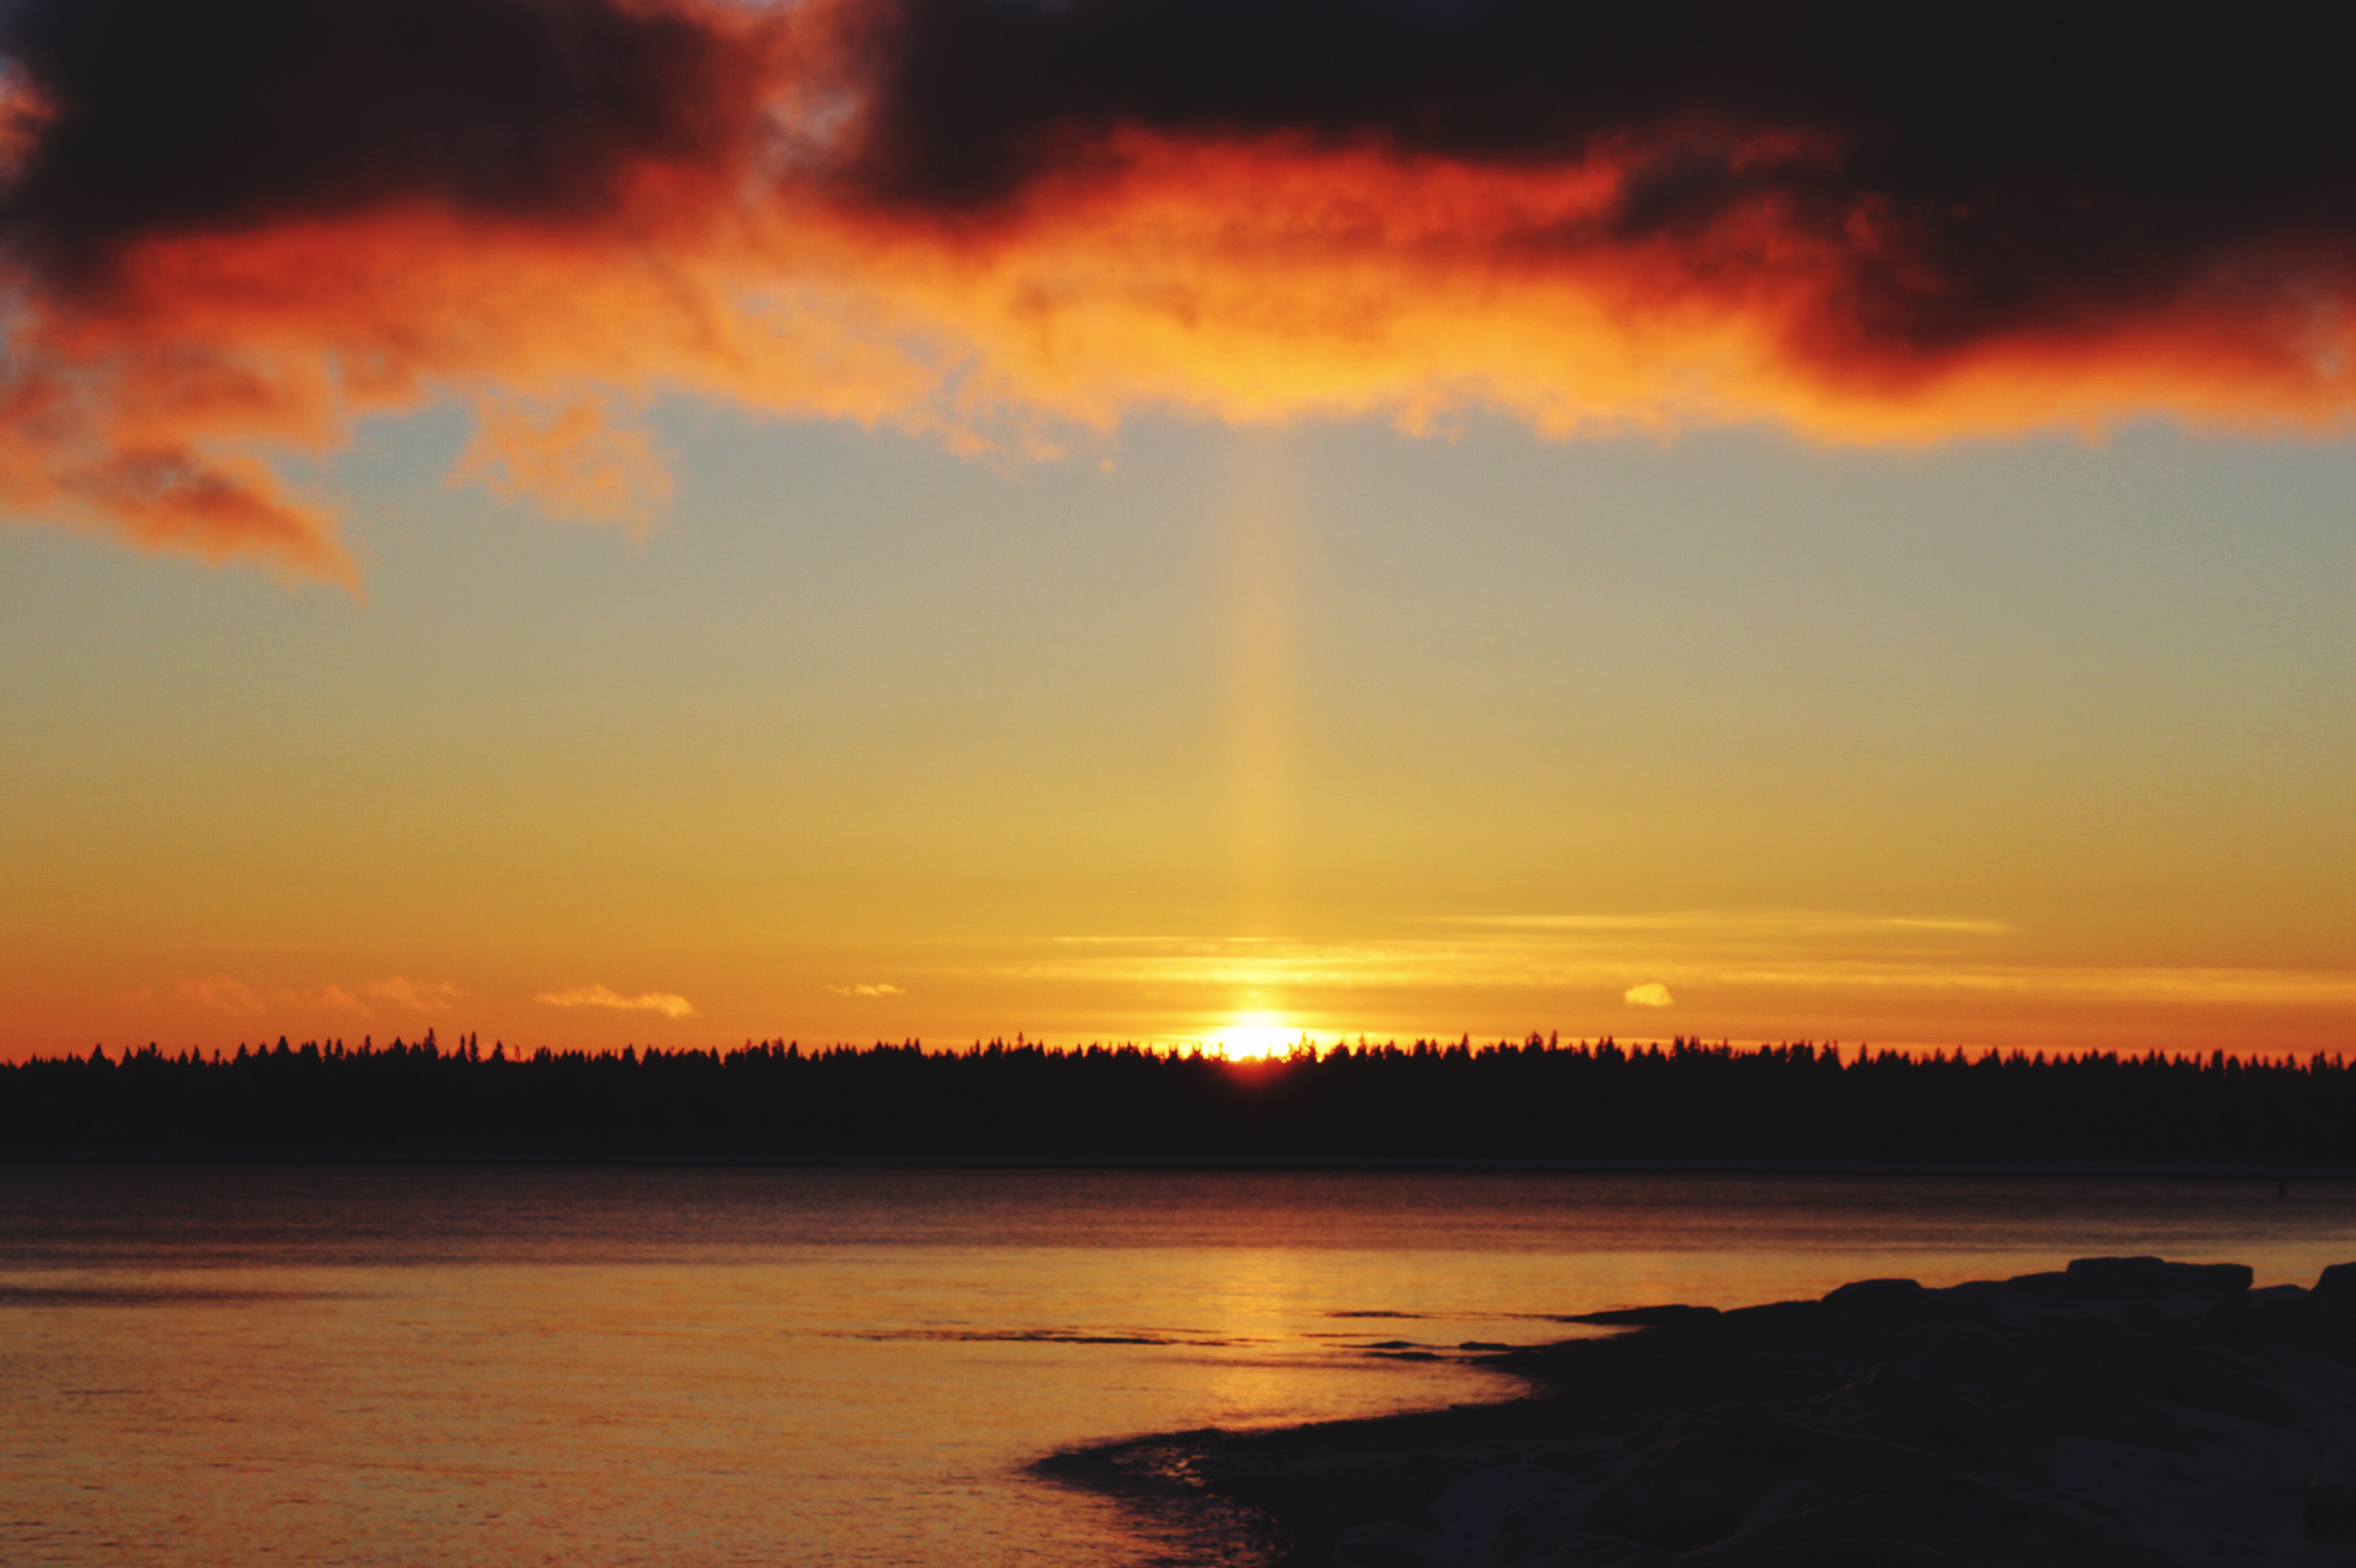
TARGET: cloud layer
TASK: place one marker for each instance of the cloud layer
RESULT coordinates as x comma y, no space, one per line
230,231
1780,953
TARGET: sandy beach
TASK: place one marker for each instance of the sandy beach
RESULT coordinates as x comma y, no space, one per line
2117,1414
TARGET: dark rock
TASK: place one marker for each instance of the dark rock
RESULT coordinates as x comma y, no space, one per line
2024,1292
1607,1551
1785,1498
1643,1316
1903,1534
2117,1273
1487,1495
1856,1553
2105,1274
2221,1276
1947,1419
2191,1375
1975,1358
2091,1397
1541,1527
2331,1513
2127,1413
1877,1293
2262,1316
1387,1545
1700,1488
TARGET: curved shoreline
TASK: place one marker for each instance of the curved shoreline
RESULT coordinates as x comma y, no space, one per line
2123,1412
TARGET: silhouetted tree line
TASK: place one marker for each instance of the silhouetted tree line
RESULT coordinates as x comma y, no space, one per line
1534,1099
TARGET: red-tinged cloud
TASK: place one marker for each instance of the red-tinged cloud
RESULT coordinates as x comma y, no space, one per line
228,232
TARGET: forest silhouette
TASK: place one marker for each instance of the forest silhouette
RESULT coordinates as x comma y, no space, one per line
1531,1099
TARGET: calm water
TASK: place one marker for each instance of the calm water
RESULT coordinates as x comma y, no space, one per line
699,1367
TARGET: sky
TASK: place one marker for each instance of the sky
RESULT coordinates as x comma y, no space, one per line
589,523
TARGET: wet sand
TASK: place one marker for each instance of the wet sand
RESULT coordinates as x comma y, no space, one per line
2124,1413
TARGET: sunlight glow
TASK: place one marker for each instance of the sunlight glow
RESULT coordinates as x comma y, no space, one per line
1255,1037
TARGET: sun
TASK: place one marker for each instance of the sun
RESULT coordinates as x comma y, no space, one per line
1254,1036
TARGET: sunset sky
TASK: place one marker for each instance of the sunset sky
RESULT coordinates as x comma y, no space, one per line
588,522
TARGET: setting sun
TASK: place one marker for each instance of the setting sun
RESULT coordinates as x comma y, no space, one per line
1256,1036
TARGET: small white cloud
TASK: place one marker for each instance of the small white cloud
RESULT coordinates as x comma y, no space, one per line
662,1002
867,991
1652,993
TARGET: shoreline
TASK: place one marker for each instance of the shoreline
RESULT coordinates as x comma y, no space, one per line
1410,1165
2122,1412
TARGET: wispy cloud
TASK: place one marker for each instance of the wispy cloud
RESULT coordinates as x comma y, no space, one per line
668,1004
418,996
229,994
575,464
1652,993
867,991
1594,958
226,994
1792,922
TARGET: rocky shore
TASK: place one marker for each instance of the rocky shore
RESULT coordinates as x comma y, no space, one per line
2123,1412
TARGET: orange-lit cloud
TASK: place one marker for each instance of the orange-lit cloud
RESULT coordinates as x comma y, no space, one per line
576,465
662,1002
1013,227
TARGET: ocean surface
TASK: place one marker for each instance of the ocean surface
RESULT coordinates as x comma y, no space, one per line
602,1366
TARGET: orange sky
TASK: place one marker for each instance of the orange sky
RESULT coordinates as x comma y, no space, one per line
1339,730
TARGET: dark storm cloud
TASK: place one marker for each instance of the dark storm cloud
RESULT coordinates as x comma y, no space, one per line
2018,165
2021,163
157,115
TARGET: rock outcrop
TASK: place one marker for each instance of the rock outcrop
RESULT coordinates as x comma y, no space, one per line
2124,1413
